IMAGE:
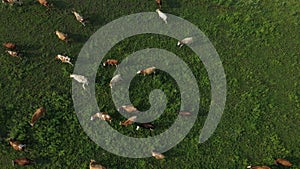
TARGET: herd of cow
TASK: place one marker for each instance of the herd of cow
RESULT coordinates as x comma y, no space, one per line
11,50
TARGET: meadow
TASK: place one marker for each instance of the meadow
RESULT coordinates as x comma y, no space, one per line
259,45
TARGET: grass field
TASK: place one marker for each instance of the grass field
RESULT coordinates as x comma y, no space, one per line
257,41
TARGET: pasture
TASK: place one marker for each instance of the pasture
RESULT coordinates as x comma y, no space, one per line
257,41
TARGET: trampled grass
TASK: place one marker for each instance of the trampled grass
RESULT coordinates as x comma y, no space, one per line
257,41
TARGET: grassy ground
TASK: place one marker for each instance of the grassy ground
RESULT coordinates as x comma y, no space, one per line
258,43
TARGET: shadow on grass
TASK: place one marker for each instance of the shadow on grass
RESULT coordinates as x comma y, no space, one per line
173,3
96,20
61,5
77,38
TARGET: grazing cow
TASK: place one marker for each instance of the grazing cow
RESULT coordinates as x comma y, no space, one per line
12,2
258,167
157,155
159,3
112,62
162,15
37,115
9,45
22,161
185,113
185,41
149,126
64,59
283,162
79,18
80,79
13,53
44,3
62,36
129,121
128,108
16,145
116,79
101,115
94,165
147,71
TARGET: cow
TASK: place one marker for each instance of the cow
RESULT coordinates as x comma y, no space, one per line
44,3
147,71
37,115
16,145
62,36
79,18
13,53
80,79
185,41
101,115
64,59
149,126
112,62
159,3
116,79
94,165
22,161
128,108
129,121
258,167
157,155
283,162
162,15
10,45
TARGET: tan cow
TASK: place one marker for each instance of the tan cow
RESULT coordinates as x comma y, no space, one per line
94,165
79,18
101,115
16,145
157,155
38,114
128,108
62,36
147,71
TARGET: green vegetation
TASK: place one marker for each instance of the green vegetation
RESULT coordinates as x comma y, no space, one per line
258,43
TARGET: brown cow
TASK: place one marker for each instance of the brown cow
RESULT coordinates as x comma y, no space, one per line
22,161
283,162
16,145
94,165
9,45
112,62
38,114
147,71
129,121
159,3
44,3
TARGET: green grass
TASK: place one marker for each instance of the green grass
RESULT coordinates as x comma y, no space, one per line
258,43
